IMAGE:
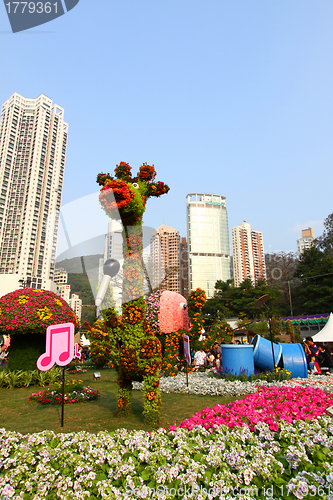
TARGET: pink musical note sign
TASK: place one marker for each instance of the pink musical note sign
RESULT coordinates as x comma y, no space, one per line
77,352
187,350
59,346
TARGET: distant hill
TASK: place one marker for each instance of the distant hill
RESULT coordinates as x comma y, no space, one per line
80,283
74,265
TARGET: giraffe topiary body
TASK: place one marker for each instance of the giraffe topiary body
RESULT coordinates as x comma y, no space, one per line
135,350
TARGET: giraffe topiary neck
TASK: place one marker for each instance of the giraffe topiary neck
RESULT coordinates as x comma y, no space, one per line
133,270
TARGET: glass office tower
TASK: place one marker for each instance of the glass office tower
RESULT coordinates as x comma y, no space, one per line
208,241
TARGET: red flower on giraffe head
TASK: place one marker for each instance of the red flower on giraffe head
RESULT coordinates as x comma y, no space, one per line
115,194
147,172
123,171
157,189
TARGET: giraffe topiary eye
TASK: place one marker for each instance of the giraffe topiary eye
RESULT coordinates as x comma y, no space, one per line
135,185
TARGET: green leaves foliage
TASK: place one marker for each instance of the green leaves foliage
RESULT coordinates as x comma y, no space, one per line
233,302
314,294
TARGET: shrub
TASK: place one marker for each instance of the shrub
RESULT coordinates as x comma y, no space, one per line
25,349
278,375
19,378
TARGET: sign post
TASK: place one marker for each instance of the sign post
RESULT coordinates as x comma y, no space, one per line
59,349
187,353
63,396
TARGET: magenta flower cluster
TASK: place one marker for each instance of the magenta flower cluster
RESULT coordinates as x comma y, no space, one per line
54,397
269,405
152,310
31,311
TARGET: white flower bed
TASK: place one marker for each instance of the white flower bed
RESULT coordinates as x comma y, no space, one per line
201,383
296,461
221,463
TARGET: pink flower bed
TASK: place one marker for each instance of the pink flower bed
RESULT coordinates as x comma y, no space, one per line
327,381
269,404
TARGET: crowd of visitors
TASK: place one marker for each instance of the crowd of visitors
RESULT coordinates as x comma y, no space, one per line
319,357
209,359
85,353
4,351
3,354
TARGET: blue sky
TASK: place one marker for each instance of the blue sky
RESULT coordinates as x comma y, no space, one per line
228,97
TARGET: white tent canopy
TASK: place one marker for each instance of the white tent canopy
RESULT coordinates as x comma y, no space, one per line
84,340
326,334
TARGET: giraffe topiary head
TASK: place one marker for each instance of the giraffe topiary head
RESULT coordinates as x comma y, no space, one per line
126,196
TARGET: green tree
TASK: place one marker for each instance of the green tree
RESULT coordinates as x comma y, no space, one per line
314,294
220,305
275,327
260,327
243,300
325,241
280,270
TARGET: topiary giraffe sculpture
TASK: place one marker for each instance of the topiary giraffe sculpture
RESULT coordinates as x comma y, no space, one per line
135,350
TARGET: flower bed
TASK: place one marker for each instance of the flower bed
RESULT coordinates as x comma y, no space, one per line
259,454
278,375
293,462
268,405
55,396
201,383
32,310
78,369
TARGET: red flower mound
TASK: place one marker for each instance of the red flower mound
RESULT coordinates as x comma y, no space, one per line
31,311
268,405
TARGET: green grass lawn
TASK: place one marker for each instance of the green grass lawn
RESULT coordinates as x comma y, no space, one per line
17,413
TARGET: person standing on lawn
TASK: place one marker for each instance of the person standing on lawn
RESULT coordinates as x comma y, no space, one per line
310,349
325,360
3,355
313,366
199,359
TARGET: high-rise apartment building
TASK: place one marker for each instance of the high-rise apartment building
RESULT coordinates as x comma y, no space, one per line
33,141
113,249
75,303
183,262
147,273
306,241
208,241
164,258
60,279
64,291
248,254
60,276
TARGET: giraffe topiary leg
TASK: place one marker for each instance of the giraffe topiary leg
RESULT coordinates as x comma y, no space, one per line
124,396
150,364
152,401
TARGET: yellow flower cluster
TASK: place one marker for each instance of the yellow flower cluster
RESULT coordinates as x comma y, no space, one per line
151,395
44,313
23,299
